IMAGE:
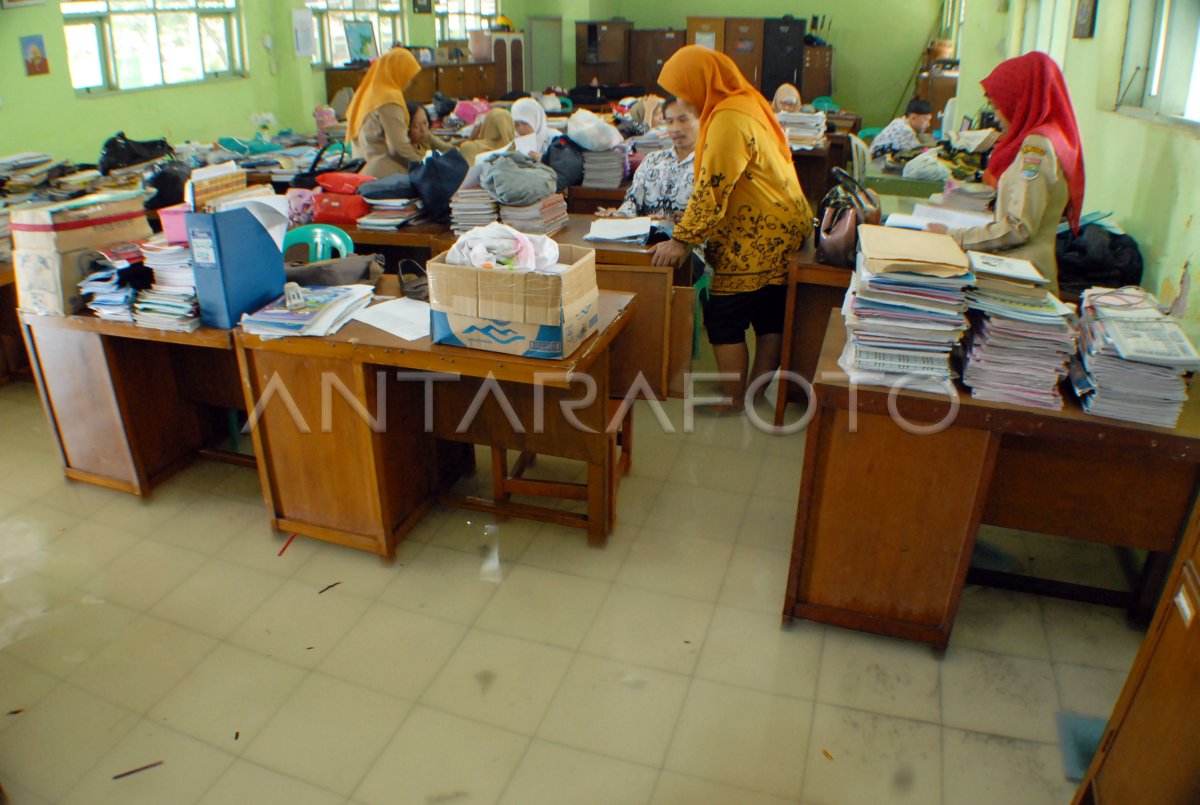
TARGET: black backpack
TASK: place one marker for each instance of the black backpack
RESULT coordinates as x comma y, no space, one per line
436,179
566,157
121,152
168,181
1096,257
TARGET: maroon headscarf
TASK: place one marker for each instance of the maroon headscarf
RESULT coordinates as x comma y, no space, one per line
1030,91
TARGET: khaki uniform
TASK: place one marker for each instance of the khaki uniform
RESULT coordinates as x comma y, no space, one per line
383,141
1030,200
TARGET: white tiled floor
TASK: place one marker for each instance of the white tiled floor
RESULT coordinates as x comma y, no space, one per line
652,671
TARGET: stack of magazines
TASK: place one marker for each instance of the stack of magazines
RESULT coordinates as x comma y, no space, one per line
1133,358
471,207
170,303
544,218
116,276
1022,336
905,310
651,141
605,169
805,130
325,310
391,213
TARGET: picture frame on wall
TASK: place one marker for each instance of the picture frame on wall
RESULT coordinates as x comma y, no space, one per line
21,3
422,6
1085,19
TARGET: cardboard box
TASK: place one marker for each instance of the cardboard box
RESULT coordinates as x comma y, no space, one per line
48,281
502,295
453,289
87,222
552,342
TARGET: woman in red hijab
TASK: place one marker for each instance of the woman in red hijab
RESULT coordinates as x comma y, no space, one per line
1036,167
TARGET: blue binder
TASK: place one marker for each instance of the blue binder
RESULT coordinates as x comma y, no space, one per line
238,267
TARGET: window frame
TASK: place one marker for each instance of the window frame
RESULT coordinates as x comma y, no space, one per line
1157,75
442,18
102,24
375,12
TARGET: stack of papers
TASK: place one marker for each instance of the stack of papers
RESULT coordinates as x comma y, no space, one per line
805,130
170,303
392,213
544,218
968,196
113,284
620,230
974,140
1133,358
905,310
1022,336
952,218
326,310
472,207
651,141
604,169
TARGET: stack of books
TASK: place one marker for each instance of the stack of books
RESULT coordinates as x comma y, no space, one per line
1133,358
975,141
651,141
325,310
968,196
471,207
1022,336
170,302
117,275
906,308
604,169
392,213
805,130
544,218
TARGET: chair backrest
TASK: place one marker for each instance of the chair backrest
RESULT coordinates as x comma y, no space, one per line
860,158
322,240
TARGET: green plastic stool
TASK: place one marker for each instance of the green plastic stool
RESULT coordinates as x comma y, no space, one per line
825,104
702,294
866,135
322,241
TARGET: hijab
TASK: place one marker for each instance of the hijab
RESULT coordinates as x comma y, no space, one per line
527,110
643,110
384,83
712,83
785,91
1029,90
493,132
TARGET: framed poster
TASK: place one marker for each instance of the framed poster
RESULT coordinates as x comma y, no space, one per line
422,6
33,51
1085,19
21,3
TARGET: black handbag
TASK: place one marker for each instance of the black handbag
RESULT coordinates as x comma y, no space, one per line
844,207
307,180
168,181
436,179
566,157
121,152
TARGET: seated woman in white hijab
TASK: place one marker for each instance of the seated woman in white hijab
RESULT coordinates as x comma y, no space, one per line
530,119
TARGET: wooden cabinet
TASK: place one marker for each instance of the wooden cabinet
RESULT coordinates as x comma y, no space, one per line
648,52
708,32
744,44
816,76
783,54
602,51
1151,748
423,86
338,77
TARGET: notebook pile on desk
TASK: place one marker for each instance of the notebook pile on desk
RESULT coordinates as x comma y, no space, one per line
604,169
326,310
388,214
651,141
968,196
905,310
1133,358
471,207
544,218
805,130
170,303
118,274
1022,336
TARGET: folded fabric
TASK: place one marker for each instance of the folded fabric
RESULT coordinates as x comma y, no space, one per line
501,246
516,180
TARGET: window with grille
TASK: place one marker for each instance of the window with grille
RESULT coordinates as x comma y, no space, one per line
455,18
134,44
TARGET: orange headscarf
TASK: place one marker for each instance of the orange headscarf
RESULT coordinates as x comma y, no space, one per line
384,83
711,82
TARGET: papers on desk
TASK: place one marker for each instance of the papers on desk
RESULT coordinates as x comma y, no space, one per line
605,169
805,130
1133,358
543,218
620,230
885,249
170,303
326,310
404,318
925,214
471,207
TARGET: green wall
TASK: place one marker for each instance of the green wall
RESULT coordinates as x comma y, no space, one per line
1144,171
877,42
44,113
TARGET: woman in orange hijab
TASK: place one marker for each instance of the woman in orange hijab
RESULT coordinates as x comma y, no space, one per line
378,122
746,207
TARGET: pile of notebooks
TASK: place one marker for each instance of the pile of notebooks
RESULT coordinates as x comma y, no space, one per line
905,310
544,218
604,169
170,302
391,213
651,141
805,130
1133,358
968,196
1022,336
325,310
471,207
116,277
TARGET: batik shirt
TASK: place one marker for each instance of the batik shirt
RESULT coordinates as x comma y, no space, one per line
896,136
661,184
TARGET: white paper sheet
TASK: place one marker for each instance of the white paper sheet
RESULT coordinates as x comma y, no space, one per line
405,318
619,228
304,32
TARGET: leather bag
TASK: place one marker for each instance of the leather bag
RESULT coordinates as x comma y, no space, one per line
844,207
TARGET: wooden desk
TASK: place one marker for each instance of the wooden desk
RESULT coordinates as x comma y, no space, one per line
813,288
12,352
586,200
327,473
129,405
813,170
887,519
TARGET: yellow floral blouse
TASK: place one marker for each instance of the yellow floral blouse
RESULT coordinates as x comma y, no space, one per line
747,204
